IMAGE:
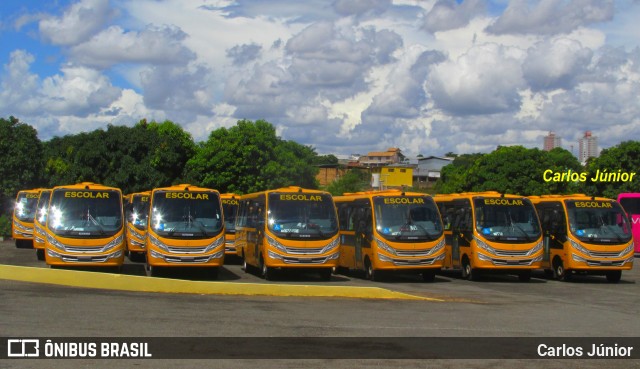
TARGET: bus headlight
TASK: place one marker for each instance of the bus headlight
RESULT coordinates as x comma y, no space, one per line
331,246
157,243
273,242
578,247
381,244
116,242
628,249
537,248
483,245
215,244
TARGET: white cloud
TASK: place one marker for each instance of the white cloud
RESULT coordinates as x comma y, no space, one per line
549,17
153,45
556,63
473,84
448,14
78,23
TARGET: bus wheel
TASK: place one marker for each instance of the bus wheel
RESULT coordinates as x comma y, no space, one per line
325,274
468,272
266,271
614,276
524,276
245,265
154,271
370,273
40,254
559,272
428,275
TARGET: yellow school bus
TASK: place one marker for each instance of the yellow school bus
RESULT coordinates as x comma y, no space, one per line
185,228
583,234
137,215
289,227
24,212
40,223
230,203
85,226
490,232
390,230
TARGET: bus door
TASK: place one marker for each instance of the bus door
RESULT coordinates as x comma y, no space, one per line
255,225
553,224
462,229
363,228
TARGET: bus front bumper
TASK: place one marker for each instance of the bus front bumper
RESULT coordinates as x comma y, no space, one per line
115,258
276,260
157,258
385,262
483,261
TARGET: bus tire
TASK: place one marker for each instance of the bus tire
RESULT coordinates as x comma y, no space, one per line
154,271
469,272
559,272
370,273
245,265
428,275
40,254
613,276
266,272
524,276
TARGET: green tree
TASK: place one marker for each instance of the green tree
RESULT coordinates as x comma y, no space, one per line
453,177
133,159
249,157
624,157
352,181
22,163
509,169
326,160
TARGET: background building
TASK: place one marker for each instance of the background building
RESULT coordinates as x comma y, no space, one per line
588,147
551,141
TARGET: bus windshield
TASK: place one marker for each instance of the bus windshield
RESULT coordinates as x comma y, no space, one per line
506,219
302,215
598,221
414,218
140,211
186,214
26,206
230,210
86,213
43,206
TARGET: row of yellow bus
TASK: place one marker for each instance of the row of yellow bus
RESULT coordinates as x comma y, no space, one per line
376,231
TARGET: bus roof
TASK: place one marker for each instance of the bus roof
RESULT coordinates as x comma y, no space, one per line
577,196
184,187
86,186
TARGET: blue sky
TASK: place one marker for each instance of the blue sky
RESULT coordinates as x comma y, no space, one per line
344,76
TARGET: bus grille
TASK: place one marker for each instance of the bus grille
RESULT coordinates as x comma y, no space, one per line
597,263
187,250
290,260
511,252
415,262
84,249
422,252
304,250
605,254
512,262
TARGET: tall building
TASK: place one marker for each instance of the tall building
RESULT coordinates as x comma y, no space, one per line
588,147
551,141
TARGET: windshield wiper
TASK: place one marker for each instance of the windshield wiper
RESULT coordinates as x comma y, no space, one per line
95,222
515,225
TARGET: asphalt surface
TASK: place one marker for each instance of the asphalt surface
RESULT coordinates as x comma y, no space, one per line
497,306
